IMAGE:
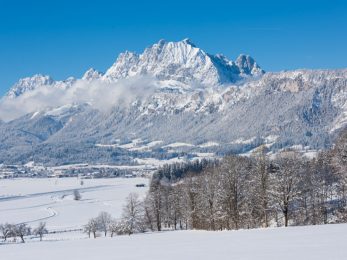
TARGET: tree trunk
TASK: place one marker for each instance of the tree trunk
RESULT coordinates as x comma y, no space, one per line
266,220
158,221
285,212
175,222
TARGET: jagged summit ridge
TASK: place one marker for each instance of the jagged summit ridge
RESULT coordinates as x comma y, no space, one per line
248,66
92,74
180,61
28,84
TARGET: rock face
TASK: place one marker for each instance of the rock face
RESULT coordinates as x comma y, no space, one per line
182,61
29,84
198,104
92,74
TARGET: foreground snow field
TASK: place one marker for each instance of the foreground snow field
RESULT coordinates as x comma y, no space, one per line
51,200
312,242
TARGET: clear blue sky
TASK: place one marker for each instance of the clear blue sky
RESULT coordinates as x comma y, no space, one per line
65,38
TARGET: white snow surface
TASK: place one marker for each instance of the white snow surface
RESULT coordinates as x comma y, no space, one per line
312,242
156,162
178,144
51,200
34,200
209,144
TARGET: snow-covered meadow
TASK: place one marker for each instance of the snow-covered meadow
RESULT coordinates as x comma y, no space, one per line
311,242
51,200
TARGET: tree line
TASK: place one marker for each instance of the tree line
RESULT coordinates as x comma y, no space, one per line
256,191
132,220
21,231
241,192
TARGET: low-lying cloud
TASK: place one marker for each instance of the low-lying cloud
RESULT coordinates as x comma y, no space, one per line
99,94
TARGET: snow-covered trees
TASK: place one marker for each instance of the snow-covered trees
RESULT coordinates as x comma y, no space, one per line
318,184
113,227
249,192
103,221
40,230
261,184
234,171
155,204
132,217
339,162
91,227
132,220
176,210
6,231
209,198
286,178
21,230
76,195
242,192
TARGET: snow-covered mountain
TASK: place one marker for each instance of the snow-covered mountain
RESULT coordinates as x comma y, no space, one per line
92,74
184,62
29,84
178,61
174,99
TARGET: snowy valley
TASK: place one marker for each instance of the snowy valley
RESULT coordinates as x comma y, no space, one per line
167,146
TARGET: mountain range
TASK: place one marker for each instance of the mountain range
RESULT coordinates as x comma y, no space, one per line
174,100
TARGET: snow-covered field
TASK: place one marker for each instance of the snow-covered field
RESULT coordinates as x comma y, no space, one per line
51,200
294,243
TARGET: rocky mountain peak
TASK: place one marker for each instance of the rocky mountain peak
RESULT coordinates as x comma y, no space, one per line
28,84
91,74
182,61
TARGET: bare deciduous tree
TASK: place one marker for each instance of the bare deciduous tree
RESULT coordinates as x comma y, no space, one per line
104,219
91,227
132,214
286,181
41,230
21,231
113,227
6,231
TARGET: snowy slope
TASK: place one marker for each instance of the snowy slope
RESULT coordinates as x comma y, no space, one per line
301,243
51,200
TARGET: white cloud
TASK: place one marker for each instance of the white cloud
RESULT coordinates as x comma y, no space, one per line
100,94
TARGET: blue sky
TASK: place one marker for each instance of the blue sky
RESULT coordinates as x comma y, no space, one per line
65,38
